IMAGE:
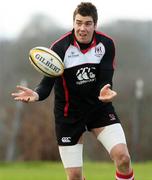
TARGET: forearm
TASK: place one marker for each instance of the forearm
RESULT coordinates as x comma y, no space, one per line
44,88
105,77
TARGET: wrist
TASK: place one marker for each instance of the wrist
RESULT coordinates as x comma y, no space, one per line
36,96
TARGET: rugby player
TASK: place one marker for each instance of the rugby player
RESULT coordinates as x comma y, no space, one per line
84,95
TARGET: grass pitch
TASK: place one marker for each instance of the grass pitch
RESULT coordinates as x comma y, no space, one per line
55,171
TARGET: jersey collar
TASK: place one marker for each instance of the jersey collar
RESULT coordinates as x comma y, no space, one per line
93,44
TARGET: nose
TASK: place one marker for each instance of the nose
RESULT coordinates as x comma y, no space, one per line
82,27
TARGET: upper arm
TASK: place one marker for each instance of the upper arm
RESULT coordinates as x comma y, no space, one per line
106,67
108,61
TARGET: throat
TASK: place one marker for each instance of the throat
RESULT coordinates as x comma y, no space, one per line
84,46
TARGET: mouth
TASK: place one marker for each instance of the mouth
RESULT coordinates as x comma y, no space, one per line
82,35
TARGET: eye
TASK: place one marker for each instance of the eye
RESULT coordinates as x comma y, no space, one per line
88,23
79,23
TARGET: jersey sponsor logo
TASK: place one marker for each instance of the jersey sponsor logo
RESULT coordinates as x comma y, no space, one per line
85,75
66,139
73,55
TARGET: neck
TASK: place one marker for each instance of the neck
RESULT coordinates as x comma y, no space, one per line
84,45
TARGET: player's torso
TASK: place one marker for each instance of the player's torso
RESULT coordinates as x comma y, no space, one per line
79,83
82,69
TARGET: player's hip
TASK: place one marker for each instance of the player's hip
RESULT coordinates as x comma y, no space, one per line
70,128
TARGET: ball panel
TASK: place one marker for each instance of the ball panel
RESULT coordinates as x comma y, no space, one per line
38,68
51,52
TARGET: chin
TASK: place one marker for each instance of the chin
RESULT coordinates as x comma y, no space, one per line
83,41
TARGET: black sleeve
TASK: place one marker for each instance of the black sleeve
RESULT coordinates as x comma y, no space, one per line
44,88
58,48
105,78
61,46
106,69
107,63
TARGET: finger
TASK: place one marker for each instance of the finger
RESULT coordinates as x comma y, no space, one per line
104,99
107,86
21,88
26,100
15,94
114,93
107,97
18,98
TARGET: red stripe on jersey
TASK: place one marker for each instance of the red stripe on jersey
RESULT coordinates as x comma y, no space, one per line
66,107
63,36
76,44
93,44
104,35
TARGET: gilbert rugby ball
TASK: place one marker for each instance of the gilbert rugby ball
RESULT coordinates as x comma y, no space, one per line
46,61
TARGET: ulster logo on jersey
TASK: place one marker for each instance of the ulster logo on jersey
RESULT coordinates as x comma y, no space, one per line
85,75
99,50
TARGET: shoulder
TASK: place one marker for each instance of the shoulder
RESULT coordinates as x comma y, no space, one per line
104,38
61,45
109,56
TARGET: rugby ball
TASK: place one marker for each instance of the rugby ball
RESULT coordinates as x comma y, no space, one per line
46,61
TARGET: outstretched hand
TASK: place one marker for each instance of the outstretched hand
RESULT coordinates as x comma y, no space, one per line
25,94
106,94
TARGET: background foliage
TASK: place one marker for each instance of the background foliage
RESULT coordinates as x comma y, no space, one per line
35,138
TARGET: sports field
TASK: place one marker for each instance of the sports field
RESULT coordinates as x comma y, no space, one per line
54,171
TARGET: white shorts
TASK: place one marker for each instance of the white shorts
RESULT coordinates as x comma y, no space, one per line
111,136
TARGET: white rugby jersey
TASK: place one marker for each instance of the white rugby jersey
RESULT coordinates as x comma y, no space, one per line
86,72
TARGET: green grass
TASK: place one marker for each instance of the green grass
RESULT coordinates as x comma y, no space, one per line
55,171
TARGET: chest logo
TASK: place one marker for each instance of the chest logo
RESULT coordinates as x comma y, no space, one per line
99,51
85,75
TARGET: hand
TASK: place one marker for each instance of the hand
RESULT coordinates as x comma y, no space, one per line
106,94
25,94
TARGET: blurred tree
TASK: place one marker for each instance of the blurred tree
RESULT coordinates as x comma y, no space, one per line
37,137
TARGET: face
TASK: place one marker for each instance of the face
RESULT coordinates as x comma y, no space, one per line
83,28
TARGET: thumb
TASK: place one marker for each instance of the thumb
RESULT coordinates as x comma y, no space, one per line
107,86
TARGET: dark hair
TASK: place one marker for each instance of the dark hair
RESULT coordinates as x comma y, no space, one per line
86,9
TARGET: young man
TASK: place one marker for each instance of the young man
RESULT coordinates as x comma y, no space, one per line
83,95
